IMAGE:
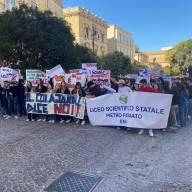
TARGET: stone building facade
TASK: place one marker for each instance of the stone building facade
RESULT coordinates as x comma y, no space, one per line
88,29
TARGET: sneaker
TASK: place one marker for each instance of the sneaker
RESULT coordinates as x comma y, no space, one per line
62,121
178,125
53,121
50,121
16,117
118,128
8,117
27,120
141,131
83,122
44,120
164,130
128,129
39,120
151,133
189,116
33,120
5,116
68,121
77,122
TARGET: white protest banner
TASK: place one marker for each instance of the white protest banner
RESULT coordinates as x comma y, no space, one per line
8,74
88,67
33,75
136,110
100,77
55,103
56,71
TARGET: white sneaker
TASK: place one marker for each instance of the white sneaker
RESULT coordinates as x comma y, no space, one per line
53,121
16,117
62,121
39,120
33,120
27,120
44,120
151,133
77,122
178,125
50,121
189,116
8,117
68,121
141,131
5,116
164,130
83,122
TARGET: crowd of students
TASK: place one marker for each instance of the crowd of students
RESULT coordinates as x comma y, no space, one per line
12,97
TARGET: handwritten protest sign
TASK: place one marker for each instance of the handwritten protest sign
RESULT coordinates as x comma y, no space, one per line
100,77
88,67
135,109
76,71
8,74
55,103
33,75
56,71
79,75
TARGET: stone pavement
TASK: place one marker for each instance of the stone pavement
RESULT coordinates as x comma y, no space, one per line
34,154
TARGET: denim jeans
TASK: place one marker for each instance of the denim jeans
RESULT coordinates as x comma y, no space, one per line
183,114
190,107
12,105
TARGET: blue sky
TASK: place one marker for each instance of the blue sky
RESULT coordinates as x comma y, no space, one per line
153,23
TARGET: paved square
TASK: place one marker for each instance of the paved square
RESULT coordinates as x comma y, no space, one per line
34,154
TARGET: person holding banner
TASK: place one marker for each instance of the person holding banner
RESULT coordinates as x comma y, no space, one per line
41,89
79,92
146,88
29,88
62,88
50,118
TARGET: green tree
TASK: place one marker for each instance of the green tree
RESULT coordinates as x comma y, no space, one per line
33,39
180,57
82,55
117,62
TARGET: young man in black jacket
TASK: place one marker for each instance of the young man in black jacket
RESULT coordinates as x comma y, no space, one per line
12,100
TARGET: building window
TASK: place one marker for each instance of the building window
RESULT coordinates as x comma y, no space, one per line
86,32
